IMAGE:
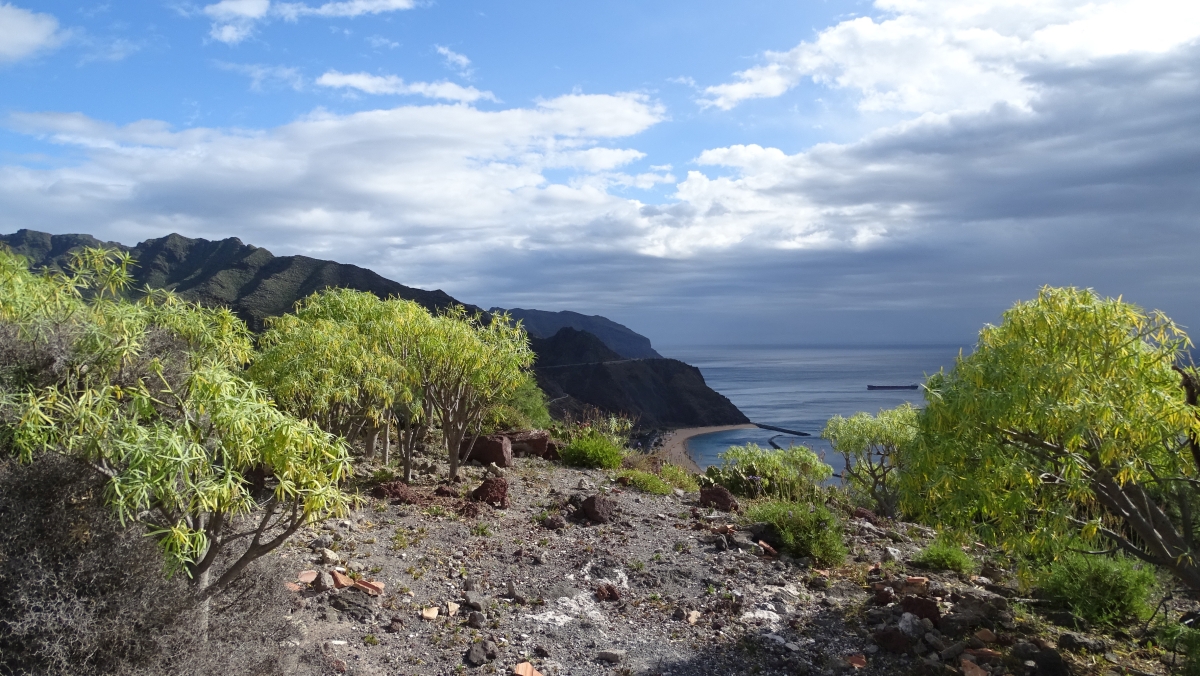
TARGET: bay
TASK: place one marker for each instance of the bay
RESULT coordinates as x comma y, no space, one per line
800,388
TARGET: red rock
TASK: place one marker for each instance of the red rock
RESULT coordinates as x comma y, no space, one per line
444,491
496,448
986,635
719,497
341,581
525,669
768,549
552,450
307,576
493,491
607,592
292,586
969,668
857,661
372,587
529,442
922,608
398,491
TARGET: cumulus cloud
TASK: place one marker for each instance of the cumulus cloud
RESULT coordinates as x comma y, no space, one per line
943,55
391,84
235,20
24,33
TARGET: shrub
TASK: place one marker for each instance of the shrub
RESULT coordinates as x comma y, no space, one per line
592,450
650,483
804,529
792,475
679,477
1103,590
83,595
944,554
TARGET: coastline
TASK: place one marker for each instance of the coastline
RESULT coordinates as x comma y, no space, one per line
674,446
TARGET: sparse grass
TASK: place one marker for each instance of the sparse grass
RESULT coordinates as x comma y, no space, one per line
943,554
804,529
482,529
1104,590
647,482
679,477
370,639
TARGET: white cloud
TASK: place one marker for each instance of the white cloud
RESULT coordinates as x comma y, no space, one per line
24,33
260,74
235,20
455,60
391,84
944,55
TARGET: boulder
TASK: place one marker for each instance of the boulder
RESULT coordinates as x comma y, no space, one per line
481,653
974,608
922,608
1078,643
492,491
599,508
496,448
530,442
893,640
718,497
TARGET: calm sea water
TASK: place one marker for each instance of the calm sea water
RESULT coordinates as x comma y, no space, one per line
800,388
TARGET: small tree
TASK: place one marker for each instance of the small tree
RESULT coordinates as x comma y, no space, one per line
467,366
346,360
1070,418
146,394
873,448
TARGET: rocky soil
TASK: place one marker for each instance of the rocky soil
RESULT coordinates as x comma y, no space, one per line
560,571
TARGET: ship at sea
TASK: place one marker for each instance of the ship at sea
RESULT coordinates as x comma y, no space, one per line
892,387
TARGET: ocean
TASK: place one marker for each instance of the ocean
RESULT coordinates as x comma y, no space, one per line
800,388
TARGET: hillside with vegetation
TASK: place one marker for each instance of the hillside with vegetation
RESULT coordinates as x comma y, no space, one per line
257,285
362,489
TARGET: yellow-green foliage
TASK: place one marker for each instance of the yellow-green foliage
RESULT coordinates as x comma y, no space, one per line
791,474
1069,419
945,554
150,395
592,450
805,529
650,483
679,477
873,448
1104,590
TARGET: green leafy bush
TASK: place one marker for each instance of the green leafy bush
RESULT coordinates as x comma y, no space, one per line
804,529
679,477
1103,590
592,450
944,554
792,474
650,483
1181,639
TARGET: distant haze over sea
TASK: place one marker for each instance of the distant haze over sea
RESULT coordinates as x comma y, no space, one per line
800,388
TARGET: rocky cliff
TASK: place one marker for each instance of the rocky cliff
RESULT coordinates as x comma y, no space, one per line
576,370
621,339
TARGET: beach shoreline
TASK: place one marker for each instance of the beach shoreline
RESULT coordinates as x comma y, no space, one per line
674,446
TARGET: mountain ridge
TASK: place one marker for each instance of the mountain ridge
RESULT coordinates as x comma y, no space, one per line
576,367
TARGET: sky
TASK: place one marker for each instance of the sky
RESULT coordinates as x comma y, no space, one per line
819,173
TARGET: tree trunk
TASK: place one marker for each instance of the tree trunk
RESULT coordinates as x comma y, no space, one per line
205,610
387,443
372,441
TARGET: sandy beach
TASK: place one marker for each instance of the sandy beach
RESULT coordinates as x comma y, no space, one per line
674,447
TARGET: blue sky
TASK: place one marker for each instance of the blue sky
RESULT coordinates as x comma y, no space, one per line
706,172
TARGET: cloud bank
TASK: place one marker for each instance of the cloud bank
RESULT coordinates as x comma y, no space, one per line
235,20
24,33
